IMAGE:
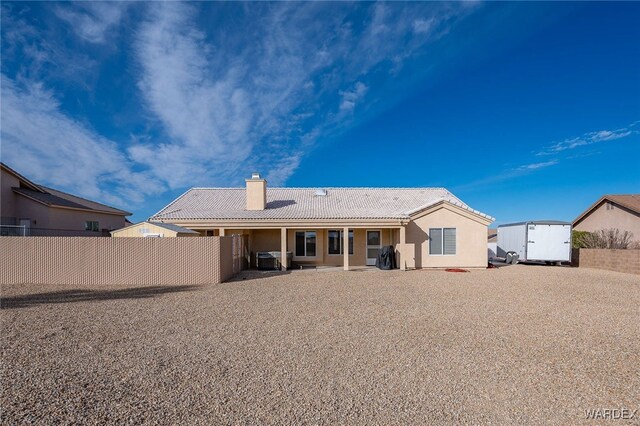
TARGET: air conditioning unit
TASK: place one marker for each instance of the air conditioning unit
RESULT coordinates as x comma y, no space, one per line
271,260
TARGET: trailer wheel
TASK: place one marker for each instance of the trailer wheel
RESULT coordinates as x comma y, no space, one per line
514,258
508,257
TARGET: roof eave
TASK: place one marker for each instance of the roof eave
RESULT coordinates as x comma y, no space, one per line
58,206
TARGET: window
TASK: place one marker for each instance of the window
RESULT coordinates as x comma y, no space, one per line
91,225
305,243
442,241
336,241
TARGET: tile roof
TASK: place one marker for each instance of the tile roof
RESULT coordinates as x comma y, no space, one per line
303,203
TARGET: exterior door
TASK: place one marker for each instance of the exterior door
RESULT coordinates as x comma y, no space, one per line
374,242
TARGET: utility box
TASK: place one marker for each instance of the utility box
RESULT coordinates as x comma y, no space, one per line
535,241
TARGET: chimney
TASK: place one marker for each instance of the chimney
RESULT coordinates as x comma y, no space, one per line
256,192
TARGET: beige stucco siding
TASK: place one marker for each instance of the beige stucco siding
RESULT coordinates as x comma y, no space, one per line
264,240
471,239
75,220
7,207
39,214
618,217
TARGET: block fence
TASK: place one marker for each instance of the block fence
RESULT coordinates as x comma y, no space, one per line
119,261
613,260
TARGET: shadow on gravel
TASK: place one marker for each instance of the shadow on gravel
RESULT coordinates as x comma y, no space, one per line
252,274
84,295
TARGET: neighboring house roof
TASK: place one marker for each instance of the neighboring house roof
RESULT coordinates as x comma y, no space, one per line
172,227
628,201
168,226
305,204
54,198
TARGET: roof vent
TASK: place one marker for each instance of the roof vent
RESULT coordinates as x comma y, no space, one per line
321,193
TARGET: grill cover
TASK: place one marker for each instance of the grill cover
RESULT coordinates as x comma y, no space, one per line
386,258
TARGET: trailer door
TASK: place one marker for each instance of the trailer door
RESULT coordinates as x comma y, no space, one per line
549,242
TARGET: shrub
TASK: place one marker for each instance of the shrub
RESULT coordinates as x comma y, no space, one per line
577,238
611,238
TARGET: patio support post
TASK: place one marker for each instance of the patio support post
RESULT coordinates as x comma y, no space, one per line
221,232
283,249
345,248
403,249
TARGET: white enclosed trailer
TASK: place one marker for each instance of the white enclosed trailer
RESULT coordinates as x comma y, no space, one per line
535,241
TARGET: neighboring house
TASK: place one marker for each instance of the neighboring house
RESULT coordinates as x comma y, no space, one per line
29,209
429,227
612,211
151,229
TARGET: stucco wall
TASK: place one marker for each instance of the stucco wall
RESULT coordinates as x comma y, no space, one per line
471,239
48,221
7,206
618,217
116,261
38,213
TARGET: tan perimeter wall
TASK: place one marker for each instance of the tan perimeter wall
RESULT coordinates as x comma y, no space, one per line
117,261
613,260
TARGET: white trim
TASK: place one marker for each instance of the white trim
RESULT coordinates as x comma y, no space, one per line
442,254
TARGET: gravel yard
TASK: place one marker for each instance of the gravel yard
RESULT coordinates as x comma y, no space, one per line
519,344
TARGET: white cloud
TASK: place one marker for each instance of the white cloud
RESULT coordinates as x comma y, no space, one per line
43,143
228,102
250,106
536,166
423,26
353,96
92,21
589,138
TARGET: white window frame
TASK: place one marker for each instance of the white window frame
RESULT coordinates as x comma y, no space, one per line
295,243
442,242
353,240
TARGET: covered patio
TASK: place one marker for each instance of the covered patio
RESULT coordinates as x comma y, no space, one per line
323,245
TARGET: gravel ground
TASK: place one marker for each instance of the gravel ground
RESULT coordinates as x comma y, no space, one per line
520,344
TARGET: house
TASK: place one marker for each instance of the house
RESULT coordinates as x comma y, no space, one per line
29,209
612,211
429,227
151,229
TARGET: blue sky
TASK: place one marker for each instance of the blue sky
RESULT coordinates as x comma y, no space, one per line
523,110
